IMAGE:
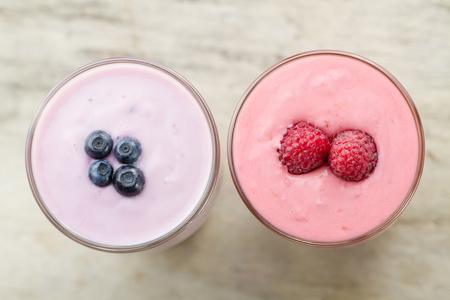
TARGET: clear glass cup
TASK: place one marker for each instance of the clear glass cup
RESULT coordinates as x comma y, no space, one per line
52,203
256,109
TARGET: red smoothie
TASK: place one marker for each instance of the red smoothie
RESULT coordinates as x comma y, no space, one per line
335,91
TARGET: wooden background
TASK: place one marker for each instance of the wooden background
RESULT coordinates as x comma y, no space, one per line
221,46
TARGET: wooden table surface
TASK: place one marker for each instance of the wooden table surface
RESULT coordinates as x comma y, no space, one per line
221,46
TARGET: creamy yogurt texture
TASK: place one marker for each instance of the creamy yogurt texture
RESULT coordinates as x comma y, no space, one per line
124,99
335,93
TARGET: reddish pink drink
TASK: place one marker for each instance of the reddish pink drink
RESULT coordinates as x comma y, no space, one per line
335,91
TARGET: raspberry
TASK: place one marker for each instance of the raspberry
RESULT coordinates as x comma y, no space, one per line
303,148
353,155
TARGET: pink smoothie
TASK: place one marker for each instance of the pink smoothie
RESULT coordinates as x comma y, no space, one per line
334,92
179,154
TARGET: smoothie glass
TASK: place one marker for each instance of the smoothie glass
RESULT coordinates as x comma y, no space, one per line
126,97
335,91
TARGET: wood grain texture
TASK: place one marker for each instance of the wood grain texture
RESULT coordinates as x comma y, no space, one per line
221,46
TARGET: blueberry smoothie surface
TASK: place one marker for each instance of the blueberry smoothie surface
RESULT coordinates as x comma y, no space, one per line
124,99
335,92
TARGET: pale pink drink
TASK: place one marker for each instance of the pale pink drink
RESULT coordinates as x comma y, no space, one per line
125,97
335,91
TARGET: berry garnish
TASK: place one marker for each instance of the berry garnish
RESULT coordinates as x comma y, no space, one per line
98,144
128,150
353,155
100,173
303,148
128,180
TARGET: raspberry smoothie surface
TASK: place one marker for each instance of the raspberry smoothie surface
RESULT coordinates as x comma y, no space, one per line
335,92
125,99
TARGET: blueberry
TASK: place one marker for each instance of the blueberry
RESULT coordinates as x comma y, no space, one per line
129,180
128,150
98,144
101,173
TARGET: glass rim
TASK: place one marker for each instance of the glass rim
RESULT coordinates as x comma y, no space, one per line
420,159
204,200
